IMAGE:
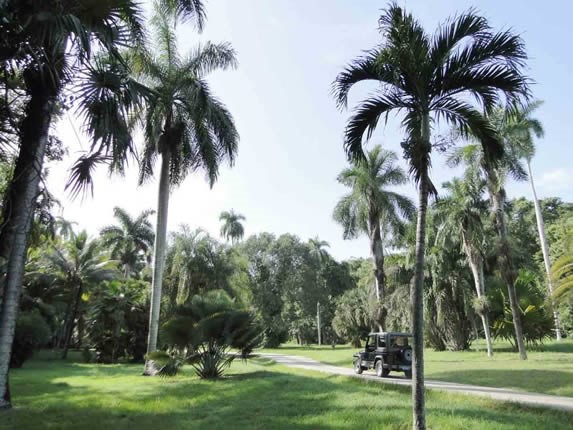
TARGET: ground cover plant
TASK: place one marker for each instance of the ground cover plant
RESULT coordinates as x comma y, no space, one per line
259,394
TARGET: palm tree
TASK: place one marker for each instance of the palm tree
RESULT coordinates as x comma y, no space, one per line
462,213
48,44
518,127
372,209
65,228
319,253
76,265
318,249
184,124
232,227
130,240
496,176
431,78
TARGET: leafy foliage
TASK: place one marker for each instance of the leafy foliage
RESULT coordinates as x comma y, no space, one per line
32,332
202,333
117,321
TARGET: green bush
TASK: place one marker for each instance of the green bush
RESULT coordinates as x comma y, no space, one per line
117,322
536,317
32,332
351,317
202,334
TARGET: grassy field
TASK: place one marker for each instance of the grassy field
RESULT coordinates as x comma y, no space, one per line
549,368
260,395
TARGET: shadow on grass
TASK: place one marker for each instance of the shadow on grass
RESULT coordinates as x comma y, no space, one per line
249,397
258,399
529,380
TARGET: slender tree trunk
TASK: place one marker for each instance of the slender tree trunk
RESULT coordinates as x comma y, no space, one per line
159,257
71,321
507,267
377,252
476,265
318,322
477,271
417,297
18,214
544,250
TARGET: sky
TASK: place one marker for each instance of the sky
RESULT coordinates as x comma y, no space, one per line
290,152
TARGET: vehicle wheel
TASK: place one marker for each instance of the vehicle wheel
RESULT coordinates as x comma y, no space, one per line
380,371
358,367
408,374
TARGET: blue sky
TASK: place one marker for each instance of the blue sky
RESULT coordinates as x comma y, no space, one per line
290,152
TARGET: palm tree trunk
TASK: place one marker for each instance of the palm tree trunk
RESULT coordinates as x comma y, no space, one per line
544,250
159,257
18,214
507,268
71,321
377,251
476,265
417,297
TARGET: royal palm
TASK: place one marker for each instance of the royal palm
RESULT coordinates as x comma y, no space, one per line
449,76
129,241
373,209
232,227
184,125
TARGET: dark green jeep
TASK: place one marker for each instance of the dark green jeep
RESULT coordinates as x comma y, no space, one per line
386,352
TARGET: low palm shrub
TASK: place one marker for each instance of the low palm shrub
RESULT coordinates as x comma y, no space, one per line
203,332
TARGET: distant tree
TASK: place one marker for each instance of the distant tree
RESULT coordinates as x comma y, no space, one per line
232,227
197,263
373,209
129,241
518,127
76,265
461,214
351,316
496,175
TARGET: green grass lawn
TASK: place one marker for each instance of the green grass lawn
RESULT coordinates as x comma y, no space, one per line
50,394
549,368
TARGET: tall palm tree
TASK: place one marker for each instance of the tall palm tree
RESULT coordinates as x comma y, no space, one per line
76,265
462,213
518,128
431,78
232,227
496,176
184,124
48,43
130,240
372,209
320,255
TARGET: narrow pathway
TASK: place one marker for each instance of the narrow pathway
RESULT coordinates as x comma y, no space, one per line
504,394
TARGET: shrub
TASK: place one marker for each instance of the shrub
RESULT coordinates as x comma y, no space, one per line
351,317
536,318
32,332
202,334
117,322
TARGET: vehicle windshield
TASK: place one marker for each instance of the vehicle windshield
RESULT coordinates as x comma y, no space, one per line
400,341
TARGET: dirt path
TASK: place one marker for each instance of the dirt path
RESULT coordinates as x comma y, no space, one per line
504,394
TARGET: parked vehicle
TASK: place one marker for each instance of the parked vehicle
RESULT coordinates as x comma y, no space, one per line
386,352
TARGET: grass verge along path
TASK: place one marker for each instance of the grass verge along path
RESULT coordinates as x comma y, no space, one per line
548,369
257,395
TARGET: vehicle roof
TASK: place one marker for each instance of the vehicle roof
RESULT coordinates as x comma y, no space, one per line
394,333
